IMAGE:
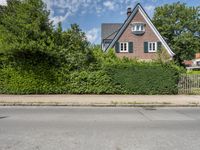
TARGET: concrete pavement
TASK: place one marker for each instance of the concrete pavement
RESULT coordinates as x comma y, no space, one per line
92,128
100,100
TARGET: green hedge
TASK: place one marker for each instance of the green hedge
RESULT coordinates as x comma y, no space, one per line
120,78
145,78
17,81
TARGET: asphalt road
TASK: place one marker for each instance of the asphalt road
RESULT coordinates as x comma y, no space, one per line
65,128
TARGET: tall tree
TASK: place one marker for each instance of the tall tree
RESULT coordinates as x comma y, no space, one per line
74,48
179,24
27,35
25,26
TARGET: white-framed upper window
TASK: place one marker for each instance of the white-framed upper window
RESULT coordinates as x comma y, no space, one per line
123,47
138,27
152,46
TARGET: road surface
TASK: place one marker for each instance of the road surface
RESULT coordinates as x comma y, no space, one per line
91,128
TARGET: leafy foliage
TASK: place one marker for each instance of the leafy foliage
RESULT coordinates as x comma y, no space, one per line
74,51
179,24
25,27
145,78
37,58
55,81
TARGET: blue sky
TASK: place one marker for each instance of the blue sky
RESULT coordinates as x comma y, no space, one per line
89,14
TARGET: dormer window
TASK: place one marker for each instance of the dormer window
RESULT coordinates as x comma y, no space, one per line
138,28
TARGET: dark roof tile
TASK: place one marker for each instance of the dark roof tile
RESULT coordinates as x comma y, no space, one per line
109,30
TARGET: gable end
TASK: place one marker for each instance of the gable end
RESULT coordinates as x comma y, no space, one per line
139,8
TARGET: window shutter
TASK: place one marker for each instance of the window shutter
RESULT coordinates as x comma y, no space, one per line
130,47
145,47
117,47
159,46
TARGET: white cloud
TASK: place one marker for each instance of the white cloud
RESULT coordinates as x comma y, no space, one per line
93,35
58,19
66,7
3,2
71,7
123,12
150,9
63,9
110,5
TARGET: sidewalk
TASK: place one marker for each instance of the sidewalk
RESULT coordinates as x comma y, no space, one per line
101,100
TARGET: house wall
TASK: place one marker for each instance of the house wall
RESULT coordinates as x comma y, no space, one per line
138,40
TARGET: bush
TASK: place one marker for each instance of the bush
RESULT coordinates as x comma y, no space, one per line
17,81
120,77
36,58
86,82
145,78
106,75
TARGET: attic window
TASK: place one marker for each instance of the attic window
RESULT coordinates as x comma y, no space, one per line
138,28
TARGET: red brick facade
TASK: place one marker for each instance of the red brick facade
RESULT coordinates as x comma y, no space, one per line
138,40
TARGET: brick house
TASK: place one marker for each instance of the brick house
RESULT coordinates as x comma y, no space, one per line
137,37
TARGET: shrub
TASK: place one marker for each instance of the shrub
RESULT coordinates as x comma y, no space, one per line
54,81
106,75
17,81
145,78
86,82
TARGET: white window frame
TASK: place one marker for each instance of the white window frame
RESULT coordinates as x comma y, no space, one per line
152,49
122,48
138,27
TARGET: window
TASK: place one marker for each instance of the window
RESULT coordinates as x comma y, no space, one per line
124,47
142,28
138,27
198,63
152,47
105,44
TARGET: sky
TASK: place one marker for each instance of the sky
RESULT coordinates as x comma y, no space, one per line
90,14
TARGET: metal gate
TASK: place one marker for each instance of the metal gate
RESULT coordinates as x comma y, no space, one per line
189,84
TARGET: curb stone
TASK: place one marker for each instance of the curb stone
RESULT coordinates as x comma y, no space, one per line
99,105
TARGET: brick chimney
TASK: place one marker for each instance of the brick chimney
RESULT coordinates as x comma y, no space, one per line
129,11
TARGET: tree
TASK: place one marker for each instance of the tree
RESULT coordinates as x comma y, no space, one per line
29,37
74,50
25,28
180,26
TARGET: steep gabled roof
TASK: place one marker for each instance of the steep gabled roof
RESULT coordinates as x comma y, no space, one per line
109,30
139,8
